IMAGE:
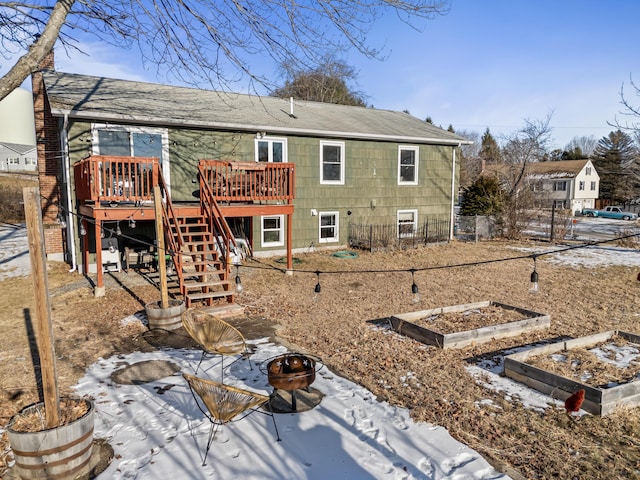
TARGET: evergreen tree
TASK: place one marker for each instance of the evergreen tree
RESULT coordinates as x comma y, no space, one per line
484,197
616,161
490,151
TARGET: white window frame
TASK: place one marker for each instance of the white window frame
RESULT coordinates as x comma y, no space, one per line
30,161
587,171
593,186
581,185
163,132
271,141
416,150
13,161
558,184
324,143
280,230
336,227
414,230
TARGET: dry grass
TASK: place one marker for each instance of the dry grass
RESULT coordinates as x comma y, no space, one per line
11,208
584,366
338,324
470,319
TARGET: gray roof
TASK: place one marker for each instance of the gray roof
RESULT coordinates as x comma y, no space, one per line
111,100
18,147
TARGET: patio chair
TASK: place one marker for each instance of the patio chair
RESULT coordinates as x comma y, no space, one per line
224,404
215,336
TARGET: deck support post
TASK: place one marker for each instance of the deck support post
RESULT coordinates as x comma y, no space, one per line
99,290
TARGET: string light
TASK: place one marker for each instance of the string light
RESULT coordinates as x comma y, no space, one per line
318,287
534,278
83,231
239,287
414,287
118,231
60,220
132,222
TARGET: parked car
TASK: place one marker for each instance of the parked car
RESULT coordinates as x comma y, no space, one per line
609,212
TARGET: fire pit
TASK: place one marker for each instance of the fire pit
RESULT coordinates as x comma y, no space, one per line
291,371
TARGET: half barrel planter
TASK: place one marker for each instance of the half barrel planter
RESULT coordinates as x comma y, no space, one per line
169,318
61,453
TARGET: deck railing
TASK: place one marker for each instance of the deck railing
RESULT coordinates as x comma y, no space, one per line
102,178
249,181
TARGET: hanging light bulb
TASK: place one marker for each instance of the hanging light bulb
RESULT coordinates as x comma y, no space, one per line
414,287
118,231
534,279
83,231
318,288
101,231
239,287
61,221
132,222
112,247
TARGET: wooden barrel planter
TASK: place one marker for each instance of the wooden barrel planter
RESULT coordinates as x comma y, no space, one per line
169,318
61,453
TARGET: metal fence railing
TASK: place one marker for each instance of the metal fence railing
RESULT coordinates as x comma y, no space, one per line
388,236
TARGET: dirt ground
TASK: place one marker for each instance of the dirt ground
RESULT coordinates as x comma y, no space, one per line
339,325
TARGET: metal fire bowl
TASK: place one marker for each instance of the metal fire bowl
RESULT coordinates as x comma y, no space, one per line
291,371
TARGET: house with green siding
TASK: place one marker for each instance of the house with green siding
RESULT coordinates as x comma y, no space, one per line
285,175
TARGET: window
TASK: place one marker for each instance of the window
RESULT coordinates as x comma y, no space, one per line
132,141
30,161
593,186
332,163
271,149
587,171
407,223
537,186
408,165
13,161
273,231
329,227
581,186
559,186
561,204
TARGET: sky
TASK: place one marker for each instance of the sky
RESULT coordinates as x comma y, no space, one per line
486,64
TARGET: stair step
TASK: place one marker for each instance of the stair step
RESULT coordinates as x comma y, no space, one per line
211,283
201,263
203,296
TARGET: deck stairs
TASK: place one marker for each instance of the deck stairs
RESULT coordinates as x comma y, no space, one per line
200,246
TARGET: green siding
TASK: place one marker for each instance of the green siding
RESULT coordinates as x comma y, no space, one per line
371,174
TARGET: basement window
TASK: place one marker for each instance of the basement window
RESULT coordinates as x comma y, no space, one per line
329,227
272,234
407,223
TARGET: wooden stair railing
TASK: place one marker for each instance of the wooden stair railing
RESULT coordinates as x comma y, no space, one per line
199,247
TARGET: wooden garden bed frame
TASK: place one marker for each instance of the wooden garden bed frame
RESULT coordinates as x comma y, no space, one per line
597,401
403,324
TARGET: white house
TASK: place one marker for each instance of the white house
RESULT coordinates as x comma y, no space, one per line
15,157
570,184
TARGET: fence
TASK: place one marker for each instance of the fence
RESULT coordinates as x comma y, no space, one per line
386,237
475,228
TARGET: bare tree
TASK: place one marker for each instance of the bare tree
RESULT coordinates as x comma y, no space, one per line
196,41
629,109
530,144
328,83
470,161
584,144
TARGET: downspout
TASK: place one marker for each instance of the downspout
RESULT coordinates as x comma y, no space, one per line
453,188
71,241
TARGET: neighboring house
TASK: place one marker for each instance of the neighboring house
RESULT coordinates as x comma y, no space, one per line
15,157
566,184
285,175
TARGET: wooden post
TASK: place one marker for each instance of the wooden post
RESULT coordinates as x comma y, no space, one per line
162,266
44,328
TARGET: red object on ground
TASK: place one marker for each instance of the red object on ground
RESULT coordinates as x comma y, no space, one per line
574,402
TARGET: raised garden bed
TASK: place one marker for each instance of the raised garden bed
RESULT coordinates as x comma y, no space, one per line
460,326
599,399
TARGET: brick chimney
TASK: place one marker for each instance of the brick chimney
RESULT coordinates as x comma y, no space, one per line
50,162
